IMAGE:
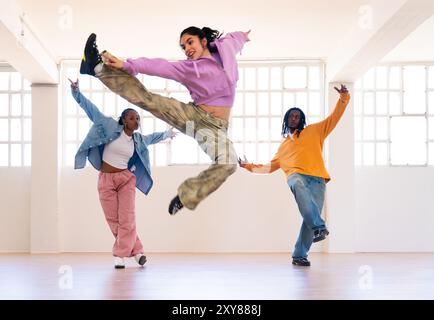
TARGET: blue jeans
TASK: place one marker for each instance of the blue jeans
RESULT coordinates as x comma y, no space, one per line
309,195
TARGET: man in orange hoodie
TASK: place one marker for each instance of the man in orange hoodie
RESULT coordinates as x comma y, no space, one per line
300,157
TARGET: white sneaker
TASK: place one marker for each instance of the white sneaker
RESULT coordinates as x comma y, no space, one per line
140,258
119,263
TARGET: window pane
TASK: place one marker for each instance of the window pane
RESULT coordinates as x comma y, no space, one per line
302,101
381,103
27,155
368,154
357,128
16,130
4,130
250,78
184,150
263,108
431,77
381,81
295,77
314,104
237,109
161,154
395,78
147,124
276,129
431,154
16,104
16,153
394,103
263,129
239,149
276,78
250,130
4,80
154,82
160,125
368,103
4,155
314,78
84,82
357,103
83,128
276,104
4,104
368,128
96,83
240,83
16,81
250,104
431,128
262,78
237,129
263,153
172,85
381,129
110,104
414,89
408,140
381,154
71,129
369,79
27,130
358,154
250,149
431,102
70,151
27,105
71,105
288,101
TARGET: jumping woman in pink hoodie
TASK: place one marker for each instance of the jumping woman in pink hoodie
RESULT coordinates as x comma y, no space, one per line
210,73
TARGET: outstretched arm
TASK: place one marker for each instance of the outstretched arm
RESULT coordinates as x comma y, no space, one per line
152,67
91,110
235,40
260,168
159,136
328,124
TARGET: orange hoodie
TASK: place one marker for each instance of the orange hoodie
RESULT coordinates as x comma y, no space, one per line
304,153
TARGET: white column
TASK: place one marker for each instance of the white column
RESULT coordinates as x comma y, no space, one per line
44,181
340,205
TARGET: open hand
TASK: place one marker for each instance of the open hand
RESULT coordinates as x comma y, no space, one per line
342,90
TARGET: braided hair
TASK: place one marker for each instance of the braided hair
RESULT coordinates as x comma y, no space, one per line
205,32
124,114
301,124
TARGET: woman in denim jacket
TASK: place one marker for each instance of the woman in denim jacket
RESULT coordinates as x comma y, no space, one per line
122,158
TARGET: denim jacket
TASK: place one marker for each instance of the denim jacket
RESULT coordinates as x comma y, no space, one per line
106,129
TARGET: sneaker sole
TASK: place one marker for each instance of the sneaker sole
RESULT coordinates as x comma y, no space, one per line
142,260
84,66
119,267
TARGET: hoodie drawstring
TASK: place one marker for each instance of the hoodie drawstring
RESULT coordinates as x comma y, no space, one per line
195,69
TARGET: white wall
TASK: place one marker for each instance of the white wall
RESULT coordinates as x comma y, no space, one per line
395,209
15,209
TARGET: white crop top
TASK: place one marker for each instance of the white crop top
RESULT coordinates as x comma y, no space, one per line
118,152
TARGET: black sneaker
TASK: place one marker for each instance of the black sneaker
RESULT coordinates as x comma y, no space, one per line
320,235
302,262
91,56
175,205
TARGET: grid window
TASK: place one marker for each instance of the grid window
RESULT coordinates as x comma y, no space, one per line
265,90
15,119
393,124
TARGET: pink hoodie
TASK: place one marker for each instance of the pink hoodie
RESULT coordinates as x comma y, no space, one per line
210,80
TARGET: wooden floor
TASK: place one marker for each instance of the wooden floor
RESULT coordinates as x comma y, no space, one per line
218,276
